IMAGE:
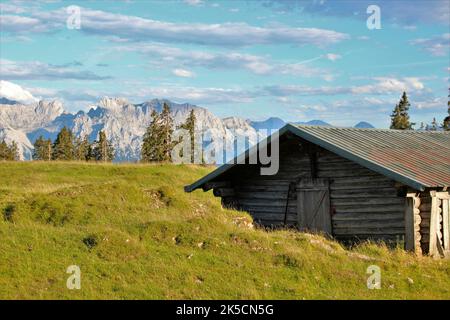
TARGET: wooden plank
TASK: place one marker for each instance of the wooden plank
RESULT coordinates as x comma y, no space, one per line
263,182
369,231
360,180
443,195
369,201
274,216
366,216
409,224
432,249
256,188
446,224
342,166
350,173
279,195
387,193
361,186
369,224
292,208
264,202
374,209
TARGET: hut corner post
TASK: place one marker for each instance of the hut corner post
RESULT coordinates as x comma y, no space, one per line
439,245
412,223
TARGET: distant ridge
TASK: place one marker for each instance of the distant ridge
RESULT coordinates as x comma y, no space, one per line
315,123
363,125
272,123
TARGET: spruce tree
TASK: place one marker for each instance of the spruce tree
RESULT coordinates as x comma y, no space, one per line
396,118
103,150
166,122
3,150
157,144
38,149
434,125
400,116
42,149
63,148
446,123
9,152
13,152
83,149
189,125
151,143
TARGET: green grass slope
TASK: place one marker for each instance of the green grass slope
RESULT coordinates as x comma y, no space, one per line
135,234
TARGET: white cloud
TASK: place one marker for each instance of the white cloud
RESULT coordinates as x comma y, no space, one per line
11,8
193,2
410,28
437,103
14,92
425,11
259,65
133,28
208,95
381,85
21,24
36,70
437,46
333,56
389,85
183,73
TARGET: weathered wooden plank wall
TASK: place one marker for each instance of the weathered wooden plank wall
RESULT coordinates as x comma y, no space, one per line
364,204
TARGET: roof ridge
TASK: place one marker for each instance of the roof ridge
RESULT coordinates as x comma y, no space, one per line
370,129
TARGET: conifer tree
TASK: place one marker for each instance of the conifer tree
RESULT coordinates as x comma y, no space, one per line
400,116
396,118
83,149
189,125
4,150
42,149
446,123
9,152
63,148
434,125
103,150
151,143
166,133
157,143
13,152
422,126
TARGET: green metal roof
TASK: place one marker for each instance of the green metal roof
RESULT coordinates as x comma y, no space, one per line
418,159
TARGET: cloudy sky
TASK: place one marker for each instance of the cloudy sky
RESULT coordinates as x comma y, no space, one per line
298,60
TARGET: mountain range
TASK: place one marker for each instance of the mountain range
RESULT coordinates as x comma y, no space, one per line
23,118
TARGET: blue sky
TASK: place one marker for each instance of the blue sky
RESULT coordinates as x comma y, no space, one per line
298,60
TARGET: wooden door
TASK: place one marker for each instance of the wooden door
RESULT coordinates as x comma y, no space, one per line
313,205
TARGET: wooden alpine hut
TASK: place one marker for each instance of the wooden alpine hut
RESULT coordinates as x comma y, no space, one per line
349,183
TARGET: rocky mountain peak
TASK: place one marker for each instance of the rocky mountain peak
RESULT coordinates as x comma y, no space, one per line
112,103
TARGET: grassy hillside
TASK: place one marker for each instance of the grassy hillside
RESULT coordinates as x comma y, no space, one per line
136,234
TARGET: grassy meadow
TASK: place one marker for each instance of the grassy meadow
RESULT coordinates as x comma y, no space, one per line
135,234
